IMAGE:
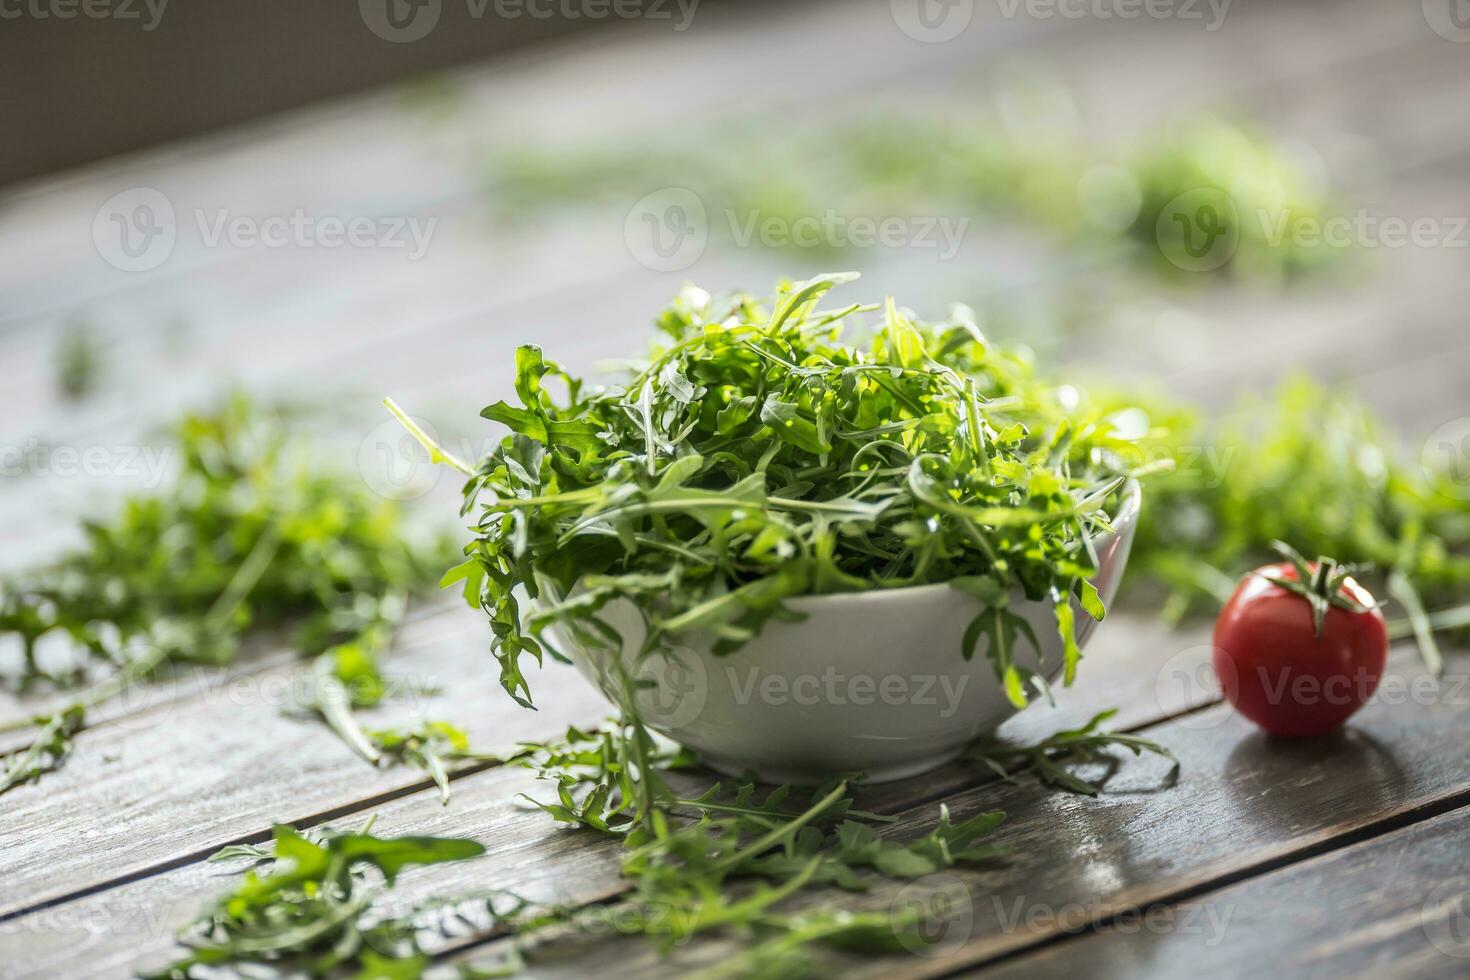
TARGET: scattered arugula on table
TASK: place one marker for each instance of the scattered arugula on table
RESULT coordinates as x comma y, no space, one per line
427,746
1049,759
48,749
881,164
712,861
78,364
312,913
345,680
1252,189
725,860
246,538
622,479
728,859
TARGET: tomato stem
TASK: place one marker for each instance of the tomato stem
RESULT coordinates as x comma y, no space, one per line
1321,586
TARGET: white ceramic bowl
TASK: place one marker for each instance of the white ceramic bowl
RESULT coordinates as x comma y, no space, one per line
869,682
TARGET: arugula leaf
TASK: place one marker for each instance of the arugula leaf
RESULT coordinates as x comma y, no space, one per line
427,747
1048,759
48,749
313,912
945,846
976,160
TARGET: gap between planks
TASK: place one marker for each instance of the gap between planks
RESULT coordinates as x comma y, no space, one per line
230,765
1366,834
1339,911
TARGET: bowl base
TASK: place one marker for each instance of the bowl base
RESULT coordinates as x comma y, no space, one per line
801,776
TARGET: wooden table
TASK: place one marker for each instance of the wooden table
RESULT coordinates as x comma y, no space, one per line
1346,855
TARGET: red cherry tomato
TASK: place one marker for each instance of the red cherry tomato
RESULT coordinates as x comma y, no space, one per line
1302,657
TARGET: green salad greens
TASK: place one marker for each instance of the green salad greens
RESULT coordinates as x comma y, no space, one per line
1212,179
313,913
246,538
1312,466
1201,195
760,456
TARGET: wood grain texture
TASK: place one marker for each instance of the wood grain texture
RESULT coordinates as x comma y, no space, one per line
120,930
370,316
257,654
1133,662
338,158
180,780
116,838
1244,804
1397,904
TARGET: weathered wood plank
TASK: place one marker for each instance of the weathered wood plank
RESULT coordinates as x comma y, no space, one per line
1414,371
262,283
1133,662
258,654
1214,345
179,780
396,345
591,86
1102,638
1243,804
583,86
287,323
1394,903
120,930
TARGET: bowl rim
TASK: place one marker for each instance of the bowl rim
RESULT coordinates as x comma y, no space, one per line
1126,516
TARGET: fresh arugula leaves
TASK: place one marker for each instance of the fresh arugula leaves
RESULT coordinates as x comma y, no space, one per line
47,751
1145,195
723,861
944,847
758,456
1048,759
78,360
312,912
428,746
245,538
